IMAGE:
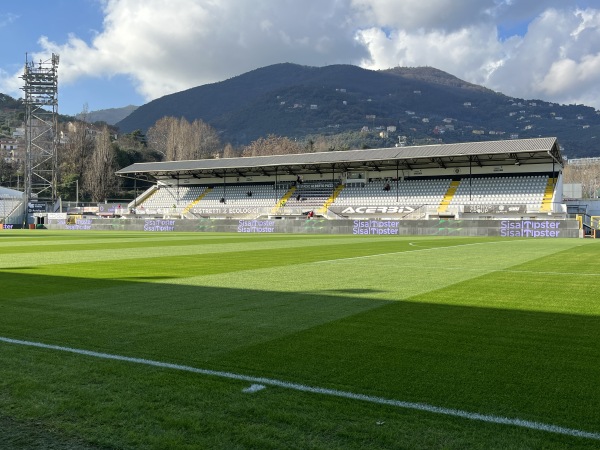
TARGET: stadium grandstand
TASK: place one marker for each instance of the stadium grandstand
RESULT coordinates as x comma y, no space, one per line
472,188
493,179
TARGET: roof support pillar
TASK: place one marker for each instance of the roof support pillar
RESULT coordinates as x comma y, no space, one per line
470,175
332,178
397,180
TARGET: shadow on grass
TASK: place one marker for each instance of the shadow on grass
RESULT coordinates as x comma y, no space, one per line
354,291
532,365
32,435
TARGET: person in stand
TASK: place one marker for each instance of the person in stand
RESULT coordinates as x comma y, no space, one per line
298,198
386,187
311,214
299,179
249,193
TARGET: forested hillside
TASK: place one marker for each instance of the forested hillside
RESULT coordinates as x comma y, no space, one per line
409,105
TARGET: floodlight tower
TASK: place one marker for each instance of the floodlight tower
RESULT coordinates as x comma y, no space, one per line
41,128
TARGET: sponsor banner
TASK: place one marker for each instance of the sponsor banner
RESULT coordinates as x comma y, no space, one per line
57,216
377,227
35,207
78,223
495,209
531,228
82,210
162,225
401,210
541,228
109,209
256,226
228,210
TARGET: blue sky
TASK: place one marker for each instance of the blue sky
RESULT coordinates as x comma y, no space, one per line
24,23
114,53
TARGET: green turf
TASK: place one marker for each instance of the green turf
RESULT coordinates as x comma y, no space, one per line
493,326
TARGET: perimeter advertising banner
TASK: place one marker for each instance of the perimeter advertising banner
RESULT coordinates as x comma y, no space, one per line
495,209
109,209
371,227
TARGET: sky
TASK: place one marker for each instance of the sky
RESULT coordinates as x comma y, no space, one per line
115,53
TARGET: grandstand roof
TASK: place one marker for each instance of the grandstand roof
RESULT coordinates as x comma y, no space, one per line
494,153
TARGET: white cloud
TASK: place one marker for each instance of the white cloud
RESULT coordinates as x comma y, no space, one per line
168,47
7,18
165,47
415,15
468,53
558,59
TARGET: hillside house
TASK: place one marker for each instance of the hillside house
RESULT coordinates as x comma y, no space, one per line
8,145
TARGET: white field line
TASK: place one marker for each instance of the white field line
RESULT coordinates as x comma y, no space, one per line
538,426
427,249
533,272
459,268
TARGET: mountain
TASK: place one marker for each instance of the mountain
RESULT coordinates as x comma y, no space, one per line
255,100
12,114
421,103
110,116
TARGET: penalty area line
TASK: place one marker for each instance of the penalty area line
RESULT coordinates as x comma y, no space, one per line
538,426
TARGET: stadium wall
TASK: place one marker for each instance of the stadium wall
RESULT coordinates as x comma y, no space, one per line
438,227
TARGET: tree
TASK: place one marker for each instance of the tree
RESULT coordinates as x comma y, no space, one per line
177,139
158,135
8,171
131,148
77,147
229,152
100,180
209,143
272,145
586,173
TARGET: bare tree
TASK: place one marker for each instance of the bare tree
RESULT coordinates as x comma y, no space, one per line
77,146
586,173
158,136
177,139
100,180
272,145
229,152
328,143
209,143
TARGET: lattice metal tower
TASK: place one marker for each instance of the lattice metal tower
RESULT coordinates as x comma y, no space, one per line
41,128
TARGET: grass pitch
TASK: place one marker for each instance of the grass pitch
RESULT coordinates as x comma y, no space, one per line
496,327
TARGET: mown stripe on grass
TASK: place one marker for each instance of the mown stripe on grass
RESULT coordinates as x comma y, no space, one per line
421,249
538,426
